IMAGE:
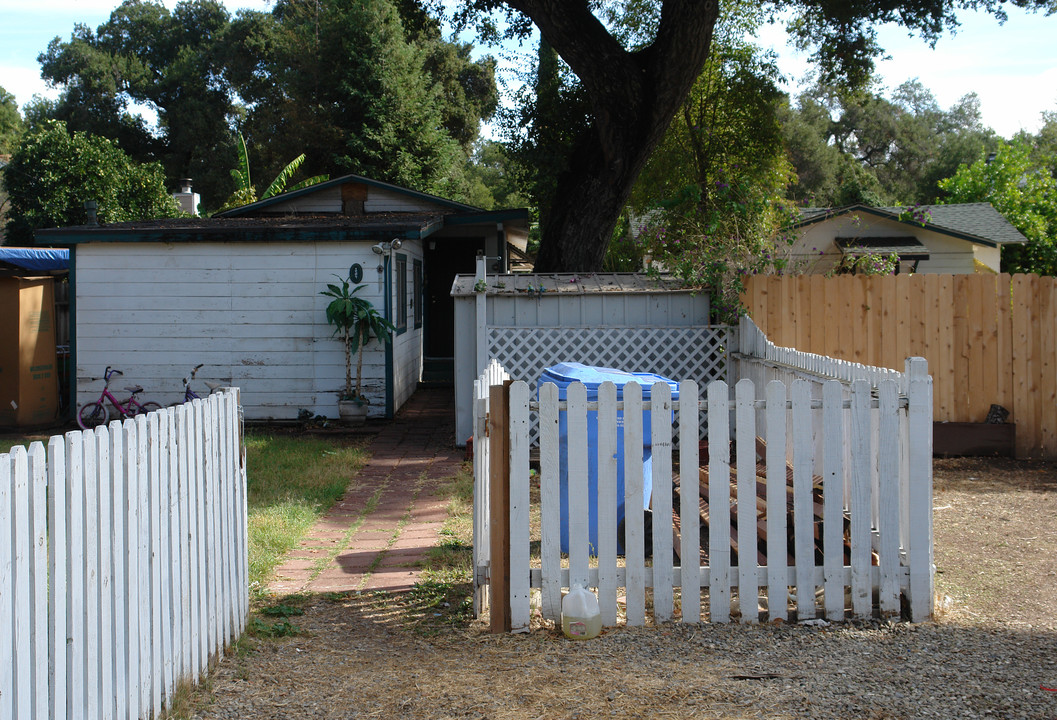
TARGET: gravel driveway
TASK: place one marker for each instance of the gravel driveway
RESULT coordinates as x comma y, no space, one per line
989,654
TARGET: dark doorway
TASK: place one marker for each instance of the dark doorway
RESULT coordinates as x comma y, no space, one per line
445,258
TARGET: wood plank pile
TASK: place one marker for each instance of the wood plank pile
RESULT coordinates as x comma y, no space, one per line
761,511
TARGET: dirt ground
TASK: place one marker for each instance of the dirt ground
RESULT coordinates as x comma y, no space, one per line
990,652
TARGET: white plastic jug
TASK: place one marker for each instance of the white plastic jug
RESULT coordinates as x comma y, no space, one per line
581,619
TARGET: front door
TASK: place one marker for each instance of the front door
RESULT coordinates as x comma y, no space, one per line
445,258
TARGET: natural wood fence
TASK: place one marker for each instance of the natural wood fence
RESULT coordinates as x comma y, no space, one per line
987,338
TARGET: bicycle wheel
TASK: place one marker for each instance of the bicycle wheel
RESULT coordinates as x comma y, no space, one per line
148,407
92,415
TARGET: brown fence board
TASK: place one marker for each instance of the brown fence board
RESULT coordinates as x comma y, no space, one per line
988,338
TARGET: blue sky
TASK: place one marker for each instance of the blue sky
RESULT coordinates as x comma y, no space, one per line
1013,68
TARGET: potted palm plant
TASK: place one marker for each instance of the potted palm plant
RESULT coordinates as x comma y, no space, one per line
355,322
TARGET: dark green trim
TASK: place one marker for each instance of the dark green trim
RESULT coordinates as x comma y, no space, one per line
400,282
387,311
247,209
75,236
418,291
71,404
487,216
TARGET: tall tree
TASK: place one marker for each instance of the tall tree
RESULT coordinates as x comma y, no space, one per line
173,63
54,172
635,92
1022,187
10,122
344,81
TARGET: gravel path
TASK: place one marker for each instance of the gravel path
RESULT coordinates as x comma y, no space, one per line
989,654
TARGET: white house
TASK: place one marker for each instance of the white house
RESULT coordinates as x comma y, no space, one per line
957,239
240,293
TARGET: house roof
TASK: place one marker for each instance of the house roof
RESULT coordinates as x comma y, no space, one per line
570,284
256,207
976,222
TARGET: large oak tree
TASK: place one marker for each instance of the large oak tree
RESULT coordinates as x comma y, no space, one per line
634,92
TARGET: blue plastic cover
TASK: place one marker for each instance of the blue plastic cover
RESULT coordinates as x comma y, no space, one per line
564,374
36,258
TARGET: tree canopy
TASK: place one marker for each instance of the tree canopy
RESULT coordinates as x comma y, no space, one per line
634,90
363,86
53,172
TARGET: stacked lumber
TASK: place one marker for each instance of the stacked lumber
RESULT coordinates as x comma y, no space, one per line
706,520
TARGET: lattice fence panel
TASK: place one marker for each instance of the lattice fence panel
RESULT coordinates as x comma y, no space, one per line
679,353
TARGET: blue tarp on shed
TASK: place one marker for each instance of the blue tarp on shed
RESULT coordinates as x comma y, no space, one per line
36,258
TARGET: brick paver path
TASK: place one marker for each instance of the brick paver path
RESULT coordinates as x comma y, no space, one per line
376,537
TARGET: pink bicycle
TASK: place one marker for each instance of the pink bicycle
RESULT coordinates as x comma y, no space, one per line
96,413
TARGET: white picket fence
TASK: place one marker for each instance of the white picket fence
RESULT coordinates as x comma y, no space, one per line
123,570
874,474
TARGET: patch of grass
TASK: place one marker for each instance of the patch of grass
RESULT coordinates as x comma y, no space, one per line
291,482
432,607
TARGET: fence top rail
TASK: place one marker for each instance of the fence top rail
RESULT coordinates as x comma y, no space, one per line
761,404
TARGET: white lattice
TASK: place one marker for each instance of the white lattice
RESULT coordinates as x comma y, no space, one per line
678,353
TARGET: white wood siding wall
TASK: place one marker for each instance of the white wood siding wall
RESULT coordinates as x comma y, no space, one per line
252,313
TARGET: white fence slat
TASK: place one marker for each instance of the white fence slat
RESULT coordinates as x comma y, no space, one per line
888,488
119,565
7,586
550,499
719,501
56,586
144,564
803,511
133,572
170,550
75,589
689,507
519,506
155,536
92,554
832,498
38,489
212,530
200,658
634,535
920,552
104,509
185,668
607,502
23,596
777,547
661,425
861,502
579,522
745,429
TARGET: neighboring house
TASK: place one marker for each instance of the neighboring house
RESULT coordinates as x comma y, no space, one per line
956,239
240,293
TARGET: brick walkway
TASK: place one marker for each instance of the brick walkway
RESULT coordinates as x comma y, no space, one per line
377,535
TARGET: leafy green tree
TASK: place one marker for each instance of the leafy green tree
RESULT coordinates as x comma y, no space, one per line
10,122
173,62
245,191
343,81
1024,190
635,91
53,172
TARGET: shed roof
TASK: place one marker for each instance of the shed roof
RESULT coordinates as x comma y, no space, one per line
976,222
370,228
570,284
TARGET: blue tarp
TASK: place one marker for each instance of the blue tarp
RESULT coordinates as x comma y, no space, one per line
36,258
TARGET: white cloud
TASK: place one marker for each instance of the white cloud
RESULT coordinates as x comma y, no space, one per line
24,83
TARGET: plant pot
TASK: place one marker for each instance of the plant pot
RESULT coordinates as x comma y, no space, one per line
352,412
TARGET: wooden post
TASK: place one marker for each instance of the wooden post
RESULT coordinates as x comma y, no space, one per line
481,319
499,507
